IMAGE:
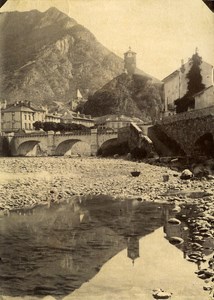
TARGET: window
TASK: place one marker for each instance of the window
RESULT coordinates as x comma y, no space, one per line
25,125
29,117
25,117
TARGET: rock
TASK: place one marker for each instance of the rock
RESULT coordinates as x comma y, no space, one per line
186,174
176,208
165,177
161,294
174,221
176,240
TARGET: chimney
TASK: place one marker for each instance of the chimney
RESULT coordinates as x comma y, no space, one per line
4,104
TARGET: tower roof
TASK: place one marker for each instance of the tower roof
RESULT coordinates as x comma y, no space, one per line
130,51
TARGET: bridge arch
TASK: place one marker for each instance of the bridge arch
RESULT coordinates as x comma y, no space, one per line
204,145
109,147
73,147
30,148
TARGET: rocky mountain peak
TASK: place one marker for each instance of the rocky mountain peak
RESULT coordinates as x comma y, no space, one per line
52,16
47,56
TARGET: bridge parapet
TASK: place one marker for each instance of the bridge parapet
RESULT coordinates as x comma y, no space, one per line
51,143
74,133
192,114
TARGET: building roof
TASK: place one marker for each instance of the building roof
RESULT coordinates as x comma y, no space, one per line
116,118
177,71
70,115
18,109
53,115
129,51
173,74
23,106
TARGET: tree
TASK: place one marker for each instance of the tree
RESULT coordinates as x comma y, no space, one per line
194,85
38,125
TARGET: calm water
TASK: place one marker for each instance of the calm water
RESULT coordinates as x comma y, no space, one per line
96,248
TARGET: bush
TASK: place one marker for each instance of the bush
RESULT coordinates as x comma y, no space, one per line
52,126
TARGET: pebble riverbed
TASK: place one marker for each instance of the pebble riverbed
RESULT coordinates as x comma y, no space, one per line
26,182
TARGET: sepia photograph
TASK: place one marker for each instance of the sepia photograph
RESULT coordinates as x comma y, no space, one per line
106,149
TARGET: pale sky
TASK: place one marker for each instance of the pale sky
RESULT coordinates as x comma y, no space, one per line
162,32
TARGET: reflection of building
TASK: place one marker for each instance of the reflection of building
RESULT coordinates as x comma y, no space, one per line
176,83
20,116
133,248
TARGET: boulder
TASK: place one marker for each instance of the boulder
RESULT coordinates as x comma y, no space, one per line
186,174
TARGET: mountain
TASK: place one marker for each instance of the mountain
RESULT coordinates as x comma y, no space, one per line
47,56
132,95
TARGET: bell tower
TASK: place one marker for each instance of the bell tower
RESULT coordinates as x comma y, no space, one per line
130,61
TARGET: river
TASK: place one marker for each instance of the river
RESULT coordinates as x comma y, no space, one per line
94,247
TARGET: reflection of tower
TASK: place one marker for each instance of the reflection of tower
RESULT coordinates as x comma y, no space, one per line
133,248
130,61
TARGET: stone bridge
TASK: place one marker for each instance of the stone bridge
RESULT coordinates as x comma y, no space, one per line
192,132
49,144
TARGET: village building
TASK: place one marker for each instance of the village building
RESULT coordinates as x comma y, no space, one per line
176,84
115,122
205,98
77,118
20,116
77,101
54,117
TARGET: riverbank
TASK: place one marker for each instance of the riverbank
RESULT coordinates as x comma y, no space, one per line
26,182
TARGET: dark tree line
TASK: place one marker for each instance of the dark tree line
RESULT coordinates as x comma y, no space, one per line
194,85
62,127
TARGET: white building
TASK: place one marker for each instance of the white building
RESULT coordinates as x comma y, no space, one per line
176,83
20,116
204,98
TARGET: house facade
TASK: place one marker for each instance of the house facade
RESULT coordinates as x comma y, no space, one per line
56,118
115,122
204,98
77,118
20,116
176,84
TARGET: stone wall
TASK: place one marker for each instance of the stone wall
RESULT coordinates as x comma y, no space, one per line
188,115
186,129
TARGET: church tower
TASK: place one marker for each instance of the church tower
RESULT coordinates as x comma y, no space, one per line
130,61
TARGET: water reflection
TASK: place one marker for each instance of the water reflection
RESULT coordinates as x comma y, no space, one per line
196,248
133,248
54,250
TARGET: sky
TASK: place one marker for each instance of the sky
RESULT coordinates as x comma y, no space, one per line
161,32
